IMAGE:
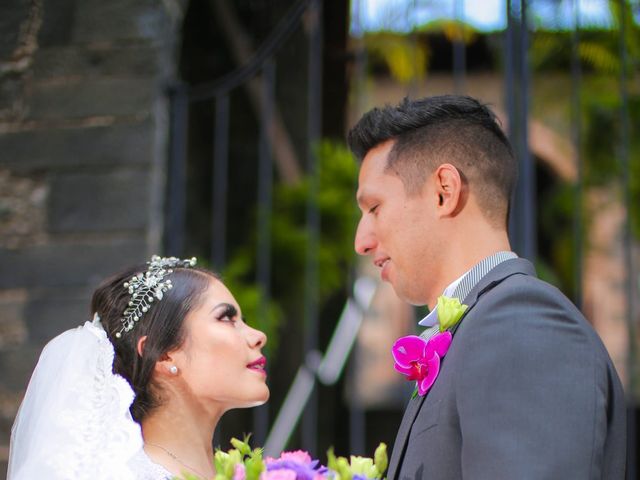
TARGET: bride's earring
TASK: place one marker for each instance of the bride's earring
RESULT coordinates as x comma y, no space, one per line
173,369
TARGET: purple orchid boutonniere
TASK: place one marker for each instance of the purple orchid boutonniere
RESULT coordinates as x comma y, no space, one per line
419,359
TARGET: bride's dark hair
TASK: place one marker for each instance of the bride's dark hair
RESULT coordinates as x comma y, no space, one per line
163,326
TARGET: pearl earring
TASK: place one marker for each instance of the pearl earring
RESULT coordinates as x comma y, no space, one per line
173,369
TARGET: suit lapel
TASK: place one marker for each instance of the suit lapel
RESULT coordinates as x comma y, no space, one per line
413,408
403,434
493,278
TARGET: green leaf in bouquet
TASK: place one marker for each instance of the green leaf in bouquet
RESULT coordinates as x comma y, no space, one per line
235,456
332,461
188,476
257,452
380,458
363,466
254,466
343,468
242,446
225,463
220,461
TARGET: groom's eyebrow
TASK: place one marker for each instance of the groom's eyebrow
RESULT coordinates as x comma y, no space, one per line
361,198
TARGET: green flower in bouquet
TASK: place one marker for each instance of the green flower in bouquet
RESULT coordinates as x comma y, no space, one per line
240,463
244,463
359,468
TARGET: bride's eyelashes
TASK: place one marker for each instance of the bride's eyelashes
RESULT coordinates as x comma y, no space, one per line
227,313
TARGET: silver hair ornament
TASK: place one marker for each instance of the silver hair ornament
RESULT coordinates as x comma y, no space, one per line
145,287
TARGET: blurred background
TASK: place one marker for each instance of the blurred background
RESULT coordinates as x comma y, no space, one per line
216,128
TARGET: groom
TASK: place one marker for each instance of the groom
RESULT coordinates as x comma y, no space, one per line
526,389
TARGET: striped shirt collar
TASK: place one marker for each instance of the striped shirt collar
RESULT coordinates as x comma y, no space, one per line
461,287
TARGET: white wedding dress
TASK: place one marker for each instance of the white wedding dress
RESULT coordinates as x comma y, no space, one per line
143,468
74,422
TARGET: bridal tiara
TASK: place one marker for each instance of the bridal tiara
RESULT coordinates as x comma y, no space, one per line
145,287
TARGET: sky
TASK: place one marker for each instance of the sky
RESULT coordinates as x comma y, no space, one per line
484,15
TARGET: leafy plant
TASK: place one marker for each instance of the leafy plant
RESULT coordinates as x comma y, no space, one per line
290,239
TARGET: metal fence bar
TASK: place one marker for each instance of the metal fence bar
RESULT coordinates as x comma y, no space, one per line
265,203
327,369
220,181
522,220
529,207
630,281
357,416
283,31
314,116
459,49
576,134
509,47
411,20
175,225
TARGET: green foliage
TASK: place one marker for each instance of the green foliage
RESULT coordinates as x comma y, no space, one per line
258,310
454,30
290,239
405,58
603,148
242,454
601,120
598,51
361,466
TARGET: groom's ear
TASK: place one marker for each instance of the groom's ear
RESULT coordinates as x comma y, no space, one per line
450,189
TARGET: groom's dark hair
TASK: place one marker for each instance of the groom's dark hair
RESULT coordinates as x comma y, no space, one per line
453,129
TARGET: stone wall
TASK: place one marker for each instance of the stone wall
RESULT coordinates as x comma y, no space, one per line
83,133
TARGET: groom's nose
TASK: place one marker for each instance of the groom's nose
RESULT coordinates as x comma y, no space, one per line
365,241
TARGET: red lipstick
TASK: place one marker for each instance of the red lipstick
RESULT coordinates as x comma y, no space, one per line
259,365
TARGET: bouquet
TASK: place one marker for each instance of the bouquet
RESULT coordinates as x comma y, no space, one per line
244,463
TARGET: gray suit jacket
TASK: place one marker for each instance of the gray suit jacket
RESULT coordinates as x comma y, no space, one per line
526,391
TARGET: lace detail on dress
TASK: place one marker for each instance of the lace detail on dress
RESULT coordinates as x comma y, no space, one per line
144,468
100,422
75,422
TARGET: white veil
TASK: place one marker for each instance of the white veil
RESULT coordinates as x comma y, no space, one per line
74,421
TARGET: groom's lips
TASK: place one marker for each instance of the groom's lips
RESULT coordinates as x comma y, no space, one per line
384,273
382,263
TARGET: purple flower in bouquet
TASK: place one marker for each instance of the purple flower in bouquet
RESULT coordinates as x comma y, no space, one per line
239,472
419,359
298,462
278,475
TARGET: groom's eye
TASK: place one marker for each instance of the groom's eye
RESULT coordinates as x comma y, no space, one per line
373,209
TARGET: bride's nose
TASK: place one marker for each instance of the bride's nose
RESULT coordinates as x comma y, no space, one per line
256,338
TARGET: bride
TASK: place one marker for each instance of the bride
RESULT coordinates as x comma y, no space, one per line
137,392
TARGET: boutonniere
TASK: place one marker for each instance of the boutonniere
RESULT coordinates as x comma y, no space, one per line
419,359
450,311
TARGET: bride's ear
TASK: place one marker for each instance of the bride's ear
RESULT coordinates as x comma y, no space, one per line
166,365
140,346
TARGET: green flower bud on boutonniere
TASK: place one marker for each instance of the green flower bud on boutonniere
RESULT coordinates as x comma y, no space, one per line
450,312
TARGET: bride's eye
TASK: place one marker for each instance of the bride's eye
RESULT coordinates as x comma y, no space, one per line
228,314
